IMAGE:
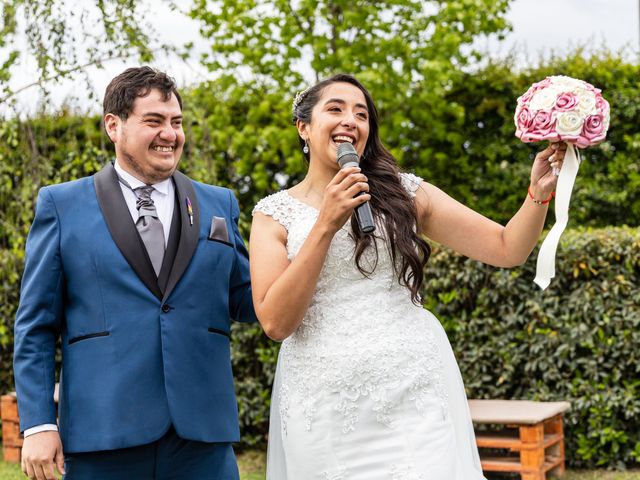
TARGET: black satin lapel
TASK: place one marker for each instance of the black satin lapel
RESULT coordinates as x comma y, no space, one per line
188,229
172,245
123,230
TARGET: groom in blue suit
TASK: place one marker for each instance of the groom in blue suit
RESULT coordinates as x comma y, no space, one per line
137,270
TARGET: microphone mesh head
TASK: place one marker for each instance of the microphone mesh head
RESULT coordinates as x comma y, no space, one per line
347,154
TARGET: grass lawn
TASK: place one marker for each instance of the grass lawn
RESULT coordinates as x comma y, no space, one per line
583,475
602,475
252,465
252,468
10,471
587,475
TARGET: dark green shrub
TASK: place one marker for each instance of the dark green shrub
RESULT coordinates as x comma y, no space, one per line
577,340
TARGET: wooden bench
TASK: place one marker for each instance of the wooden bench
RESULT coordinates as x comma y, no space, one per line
11,436
530,438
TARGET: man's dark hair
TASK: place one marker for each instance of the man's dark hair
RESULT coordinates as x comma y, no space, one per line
136,82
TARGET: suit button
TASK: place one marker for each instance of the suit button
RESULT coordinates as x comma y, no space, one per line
166,308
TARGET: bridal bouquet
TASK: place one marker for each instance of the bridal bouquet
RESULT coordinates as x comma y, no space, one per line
561,109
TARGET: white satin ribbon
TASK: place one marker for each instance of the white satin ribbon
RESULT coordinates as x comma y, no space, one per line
546,266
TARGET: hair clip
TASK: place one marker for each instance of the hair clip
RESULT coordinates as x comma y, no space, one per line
299,98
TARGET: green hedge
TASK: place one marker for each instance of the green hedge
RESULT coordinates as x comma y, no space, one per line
578,340
35,153
496,164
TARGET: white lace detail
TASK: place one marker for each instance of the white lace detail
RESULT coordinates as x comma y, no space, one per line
283,393
339,474
280,206
405,472
361,338
410,182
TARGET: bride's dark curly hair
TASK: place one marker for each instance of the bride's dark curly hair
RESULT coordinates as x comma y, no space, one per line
391,204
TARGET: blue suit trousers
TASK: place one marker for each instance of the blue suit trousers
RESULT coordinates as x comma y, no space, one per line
169,458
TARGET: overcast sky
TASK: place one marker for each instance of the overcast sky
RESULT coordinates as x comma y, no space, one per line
539,26
542,25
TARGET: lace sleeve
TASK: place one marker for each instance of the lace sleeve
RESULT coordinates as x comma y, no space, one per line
277,207
410,182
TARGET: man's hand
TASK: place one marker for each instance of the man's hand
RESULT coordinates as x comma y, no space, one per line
39,452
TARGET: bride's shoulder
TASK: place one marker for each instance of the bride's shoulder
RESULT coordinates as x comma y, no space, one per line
270,200
410,182
278,205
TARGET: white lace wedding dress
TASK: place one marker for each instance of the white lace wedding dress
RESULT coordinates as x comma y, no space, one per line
367,388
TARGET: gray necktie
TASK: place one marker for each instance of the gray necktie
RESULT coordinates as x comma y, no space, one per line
149,226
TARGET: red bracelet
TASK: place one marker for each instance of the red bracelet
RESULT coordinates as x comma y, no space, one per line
541,202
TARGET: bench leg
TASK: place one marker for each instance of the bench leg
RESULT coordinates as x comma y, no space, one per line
532,455
555,426
11,437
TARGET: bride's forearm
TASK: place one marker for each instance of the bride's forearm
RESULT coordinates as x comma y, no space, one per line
521,234
286,301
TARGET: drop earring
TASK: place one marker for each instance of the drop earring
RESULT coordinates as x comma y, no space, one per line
305,149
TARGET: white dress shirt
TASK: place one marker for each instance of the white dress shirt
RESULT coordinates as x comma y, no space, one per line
163,197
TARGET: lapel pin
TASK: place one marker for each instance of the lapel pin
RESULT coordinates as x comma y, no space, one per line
189,211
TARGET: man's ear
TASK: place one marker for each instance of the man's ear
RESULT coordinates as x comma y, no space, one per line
111,124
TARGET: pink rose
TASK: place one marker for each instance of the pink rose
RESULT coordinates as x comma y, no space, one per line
526,98
542,84
524,118
566,101
592,130
602,105
540,127
544,124
588,86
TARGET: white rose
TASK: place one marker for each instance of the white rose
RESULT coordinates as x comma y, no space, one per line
587,101
564,83
545,99
569,123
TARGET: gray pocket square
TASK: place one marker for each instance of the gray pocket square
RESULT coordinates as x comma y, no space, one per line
218,231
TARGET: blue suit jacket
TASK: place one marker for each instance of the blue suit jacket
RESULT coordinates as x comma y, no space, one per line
139,352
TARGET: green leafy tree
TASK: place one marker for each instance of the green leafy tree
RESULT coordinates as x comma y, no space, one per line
409,54
62,38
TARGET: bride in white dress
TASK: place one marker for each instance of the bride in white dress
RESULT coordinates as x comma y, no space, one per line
367,386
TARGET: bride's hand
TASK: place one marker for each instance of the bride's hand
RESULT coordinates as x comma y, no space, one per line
545,170
340,199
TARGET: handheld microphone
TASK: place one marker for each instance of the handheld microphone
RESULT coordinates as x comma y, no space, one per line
347,157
